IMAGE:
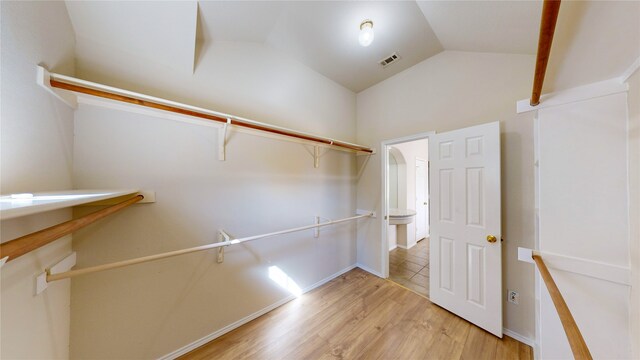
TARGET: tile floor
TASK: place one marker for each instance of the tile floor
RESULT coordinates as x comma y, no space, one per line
410,268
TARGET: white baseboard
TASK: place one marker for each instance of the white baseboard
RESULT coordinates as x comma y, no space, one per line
407,247
196,344
369,270
522,339
216,334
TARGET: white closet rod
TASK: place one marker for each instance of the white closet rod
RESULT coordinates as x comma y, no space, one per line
72,273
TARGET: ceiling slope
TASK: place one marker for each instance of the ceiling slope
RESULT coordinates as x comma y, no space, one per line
593,41
250,21
324,35
485,26
163,32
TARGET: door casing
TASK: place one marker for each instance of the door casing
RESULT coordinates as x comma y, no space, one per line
384,224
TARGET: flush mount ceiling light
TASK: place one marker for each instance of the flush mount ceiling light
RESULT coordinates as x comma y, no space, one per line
366,33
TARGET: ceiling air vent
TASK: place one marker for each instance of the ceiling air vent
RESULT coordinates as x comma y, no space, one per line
389,59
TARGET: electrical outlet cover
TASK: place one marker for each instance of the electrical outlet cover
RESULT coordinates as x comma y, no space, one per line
513,297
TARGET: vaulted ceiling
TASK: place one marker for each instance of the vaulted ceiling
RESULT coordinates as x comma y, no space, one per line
160,31
324,34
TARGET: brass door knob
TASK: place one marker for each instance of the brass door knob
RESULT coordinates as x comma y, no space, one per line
491,238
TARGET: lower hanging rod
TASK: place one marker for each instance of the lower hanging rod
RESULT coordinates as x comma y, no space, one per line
97,268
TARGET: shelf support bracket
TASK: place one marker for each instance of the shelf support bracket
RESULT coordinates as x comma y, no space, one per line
44,79
316,156
222,237
316,230
222,140
64,265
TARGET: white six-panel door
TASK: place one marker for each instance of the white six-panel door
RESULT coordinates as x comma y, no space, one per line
465,268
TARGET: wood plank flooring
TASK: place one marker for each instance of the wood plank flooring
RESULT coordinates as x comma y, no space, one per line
360,316
410,267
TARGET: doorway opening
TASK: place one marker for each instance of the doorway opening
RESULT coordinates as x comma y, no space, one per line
406,201
464,263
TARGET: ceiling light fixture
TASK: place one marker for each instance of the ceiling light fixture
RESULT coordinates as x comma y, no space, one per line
366,33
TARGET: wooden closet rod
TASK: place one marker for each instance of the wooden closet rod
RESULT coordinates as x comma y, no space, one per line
202,115
576,341
550,9
89,270
22,245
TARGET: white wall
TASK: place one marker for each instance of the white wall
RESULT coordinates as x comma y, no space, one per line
410,151
633,99
244,79
36,155
583,213
449,91
150,310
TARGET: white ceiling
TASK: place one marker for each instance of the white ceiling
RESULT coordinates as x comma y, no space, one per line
485,26
164,32
593,39
250,21
324,34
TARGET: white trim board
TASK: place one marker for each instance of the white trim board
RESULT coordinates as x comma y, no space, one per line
216,334
630,71
595,269
598,89
523,339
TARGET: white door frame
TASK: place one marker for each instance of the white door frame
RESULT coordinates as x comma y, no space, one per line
426,197
384,242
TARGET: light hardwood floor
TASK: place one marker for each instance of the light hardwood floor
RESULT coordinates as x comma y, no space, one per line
360,316
410,267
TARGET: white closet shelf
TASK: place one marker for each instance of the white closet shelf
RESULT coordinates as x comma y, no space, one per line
71,90
17,205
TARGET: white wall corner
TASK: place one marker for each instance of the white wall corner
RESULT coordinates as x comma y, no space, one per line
369,270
